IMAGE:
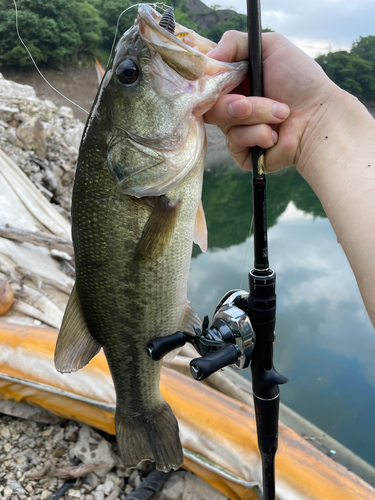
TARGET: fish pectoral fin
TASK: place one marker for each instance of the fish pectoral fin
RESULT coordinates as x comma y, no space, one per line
75,346
153,438
158,231
200,228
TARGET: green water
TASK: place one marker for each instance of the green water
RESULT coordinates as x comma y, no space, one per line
325,343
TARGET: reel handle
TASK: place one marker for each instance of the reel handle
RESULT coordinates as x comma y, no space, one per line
202,368
157,348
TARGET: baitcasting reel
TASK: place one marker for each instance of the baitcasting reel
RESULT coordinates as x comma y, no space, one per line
229,340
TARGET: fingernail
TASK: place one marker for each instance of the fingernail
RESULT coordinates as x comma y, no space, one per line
280,111
238,109
274,136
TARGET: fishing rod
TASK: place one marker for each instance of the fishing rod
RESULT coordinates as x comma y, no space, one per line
262,284
243,325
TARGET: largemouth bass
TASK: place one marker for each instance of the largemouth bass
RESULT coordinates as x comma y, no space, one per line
135,213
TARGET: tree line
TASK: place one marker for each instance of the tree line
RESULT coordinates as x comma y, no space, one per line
73,31
353,70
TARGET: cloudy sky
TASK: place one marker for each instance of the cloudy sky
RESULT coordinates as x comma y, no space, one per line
317,26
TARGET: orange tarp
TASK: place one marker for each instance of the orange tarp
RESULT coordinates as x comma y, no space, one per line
211,424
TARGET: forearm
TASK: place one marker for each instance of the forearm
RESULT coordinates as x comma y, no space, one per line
338,161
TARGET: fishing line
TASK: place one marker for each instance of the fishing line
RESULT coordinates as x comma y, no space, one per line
247,249
32,59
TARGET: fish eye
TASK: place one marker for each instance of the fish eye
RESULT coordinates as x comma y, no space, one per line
127,72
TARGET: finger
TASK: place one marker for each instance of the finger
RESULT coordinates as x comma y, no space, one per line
241,155
232,109
239,137
232,47
229,108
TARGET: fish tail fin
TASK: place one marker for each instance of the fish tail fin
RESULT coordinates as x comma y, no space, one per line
155,439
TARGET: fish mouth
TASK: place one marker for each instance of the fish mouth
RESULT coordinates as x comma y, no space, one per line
184,50
182,37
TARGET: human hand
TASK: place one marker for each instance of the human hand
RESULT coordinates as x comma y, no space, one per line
297,93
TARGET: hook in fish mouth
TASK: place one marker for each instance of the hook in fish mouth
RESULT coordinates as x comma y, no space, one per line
167,21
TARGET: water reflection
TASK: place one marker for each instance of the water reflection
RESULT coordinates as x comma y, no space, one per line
325,341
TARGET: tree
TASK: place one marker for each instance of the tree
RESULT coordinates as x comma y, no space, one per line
365,48
350,72
54,31
110,11
236,22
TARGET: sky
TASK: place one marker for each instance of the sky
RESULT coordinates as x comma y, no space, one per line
316,26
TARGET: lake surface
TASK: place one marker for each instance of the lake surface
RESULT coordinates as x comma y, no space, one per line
325,343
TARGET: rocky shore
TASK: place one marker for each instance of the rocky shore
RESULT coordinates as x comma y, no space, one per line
47,458
42,139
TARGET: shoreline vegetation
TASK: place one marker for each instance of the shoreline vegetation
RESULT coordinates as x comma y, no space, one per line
64,35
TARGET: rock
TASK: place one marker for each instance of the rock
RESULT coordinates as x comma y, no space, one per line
28,412
13,89
73,136
187,486
60,452
11,135
7,112
51,105
5,433
50,181
107,487
66,112
21,117
173,488
98,495
74,493
45,495
32,135
71,432
7,447
116,492
16,487
92,480
92,448
7,492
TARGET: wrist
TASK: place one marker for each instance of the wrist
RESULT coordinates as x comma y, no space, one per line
339,135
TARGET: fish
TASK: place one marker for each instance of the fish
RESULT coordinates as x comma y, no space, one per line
136,210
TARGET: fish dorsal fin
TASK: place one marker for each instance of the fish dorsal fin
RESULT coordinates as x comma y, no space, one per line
189,318
75,345
200,228
158,231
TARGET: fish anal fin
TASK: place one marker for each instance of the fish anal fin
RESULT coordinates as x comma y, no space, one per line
75,345
200,228
153,438
158,231
188,319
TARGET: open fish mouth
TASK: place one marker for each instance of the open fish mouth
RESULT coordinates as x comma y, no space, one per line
184,50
